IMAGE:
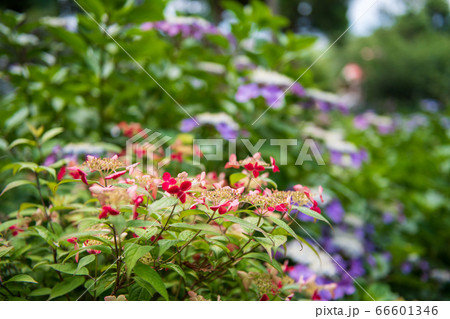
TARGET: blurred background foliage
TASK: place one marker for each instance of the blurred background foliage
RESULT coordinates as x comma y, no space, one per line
59,69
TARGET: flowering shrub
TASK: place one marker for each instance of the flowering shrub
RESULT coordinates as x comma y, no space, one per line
106,230
388,173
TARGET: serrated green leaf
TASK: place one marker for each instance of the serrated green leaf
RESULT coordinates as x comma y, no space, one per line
312,213
286,227
51,133
236,177
21,278
40,292
176,268
15,184
4,226
133,254
190,212
266,258
86,260
165,244
70,269
203,227
5,250
66,286
162,203
152,277
21,141
49,170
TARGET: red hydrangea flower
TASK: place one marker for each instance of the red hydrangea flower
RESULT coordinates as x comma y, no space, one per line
316,296
180,191
177,157
316,208
108,210
264,297
91,251
77,173
74,241
61,173
232,162
115,175
15,230
275,168
254,168
168,180
280,208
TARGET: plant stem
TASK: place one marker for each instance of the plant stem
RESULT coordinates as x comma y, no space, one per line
190,240
38,186
95,278
117,261
164,228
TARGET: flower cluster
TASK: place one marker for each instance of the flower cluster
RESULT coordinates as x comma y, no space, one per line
187,27
222,122
252,164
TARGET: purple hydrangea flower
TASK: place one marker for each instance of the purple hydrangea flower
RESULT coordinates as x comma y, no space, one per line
430,105
356,268
335,157
188,125
226,131
358,158
323,106
406,267
360,122
335,211
246,92
273,96
301,271
388,218
298,90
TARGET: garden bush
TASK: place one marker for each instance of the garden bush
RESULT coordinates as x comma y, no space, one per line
78,220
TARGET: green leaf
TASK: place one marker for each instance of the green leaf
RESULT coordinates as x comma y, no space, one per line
236,177
162,203
5,250
152,277
40,292
70,269
203,227
20,141
7,224
140,223
270,181
103,249
312,213
15,184
21,278
49,170
86,260
133,254
190,212
66,286
165,244
286,227
146,286
119,223
266,258
176,268
51,133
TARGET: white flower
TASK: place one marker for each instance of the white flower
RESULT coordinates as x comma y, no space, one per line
217,118
262,76
323,266
211,67
348,243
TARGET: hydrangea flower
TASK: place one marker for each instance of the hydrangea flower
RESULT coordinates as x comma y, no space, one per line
223,123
